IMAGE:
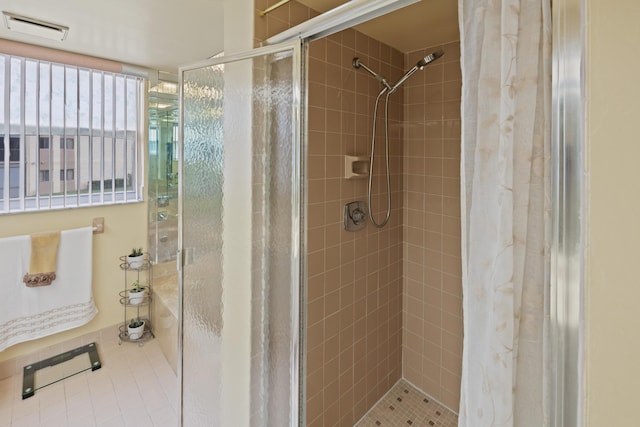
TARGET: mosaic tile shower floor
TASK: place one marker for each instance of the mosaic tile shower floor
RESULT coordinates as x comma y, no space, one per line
404,405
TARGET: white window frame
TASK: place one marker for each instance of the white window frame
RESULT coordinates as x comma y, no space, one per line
107,154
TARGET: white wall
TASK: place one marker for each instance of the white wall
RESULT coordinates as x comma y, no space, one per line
238,28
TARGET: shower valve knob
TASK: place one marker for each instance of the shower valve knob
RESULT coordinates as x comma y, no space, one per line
355,216
358,216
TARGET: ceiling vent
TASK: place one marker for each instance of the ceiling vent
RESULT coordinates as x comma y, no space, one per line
34,27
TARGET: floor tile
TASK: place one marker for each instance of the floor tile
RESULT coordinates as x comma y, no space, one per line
405,405
127,390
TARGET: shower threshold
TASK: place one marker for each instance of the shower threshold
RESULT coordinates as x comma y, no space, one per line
54,369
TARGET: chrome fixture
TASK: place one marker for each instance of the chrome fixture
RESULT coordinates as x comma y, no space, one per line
419,66
357,64
355,216
388,89
163,201
272,8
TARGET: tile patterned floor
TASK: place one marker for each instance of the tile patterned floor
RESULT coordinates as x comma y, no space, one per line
404,406
135,387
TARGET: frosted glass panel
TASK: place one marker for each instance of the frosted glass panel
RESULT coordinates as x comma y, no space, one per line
241,236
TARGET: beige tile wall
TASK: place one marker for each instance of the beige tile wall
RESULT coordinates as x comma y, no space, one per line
354,279
432,292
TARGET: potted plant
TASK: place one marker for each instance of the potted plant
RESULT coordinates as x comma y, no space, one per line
136,293
135,329
135,258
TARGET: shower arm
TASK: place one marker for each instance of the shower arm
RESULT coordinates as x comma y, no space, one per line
358,64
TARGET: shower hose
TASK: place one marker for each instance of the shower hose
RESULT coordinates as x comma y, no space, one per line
386,157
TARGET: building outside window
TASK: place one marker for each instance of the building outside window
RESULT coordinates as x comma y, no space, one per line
92,117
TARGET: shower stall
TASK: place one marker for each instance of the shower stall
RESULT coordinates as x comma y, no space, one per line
383,303
287,318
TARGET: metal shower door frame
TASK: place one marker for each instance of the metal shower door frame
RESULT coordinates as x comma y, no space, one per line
569,215
298,289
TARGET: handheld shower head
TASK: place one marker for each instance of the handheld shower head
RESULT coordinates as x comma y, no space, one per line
429,58
419,66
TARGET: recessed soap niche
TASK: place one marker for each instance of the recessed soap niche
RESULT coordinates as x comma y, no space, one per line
356,167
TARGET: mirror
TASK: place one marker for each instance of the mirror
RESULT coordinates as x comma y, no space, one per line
163,172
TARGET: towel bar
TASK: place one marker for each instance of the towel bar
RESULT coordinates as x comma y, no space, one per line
98,225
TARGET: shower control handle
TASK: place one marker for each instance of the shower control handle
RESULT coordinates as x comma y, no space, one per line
358,216
355,216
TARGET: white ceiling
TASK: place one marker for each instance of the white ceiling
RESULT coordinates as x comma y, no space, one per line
164,34
159,34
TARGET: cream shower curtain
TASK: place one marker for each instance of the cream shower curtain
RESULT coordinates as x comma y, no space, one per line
506,103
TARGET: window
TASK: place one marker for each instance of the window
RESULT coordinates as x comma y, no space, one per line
14,150
68,176
69,143
81,122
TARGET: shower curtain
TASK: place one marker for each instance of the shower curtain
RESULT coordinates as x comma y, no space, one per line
506,71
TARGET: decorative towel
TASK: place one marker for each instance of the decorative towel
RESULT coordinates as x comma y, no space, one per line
44,259
31,313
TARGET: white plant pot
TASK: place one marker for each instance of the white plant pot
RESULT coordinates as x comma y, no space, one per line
135,333
135,261
136,298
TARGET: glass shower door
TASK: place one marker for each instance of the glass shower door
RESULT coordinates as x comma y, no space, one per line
241,239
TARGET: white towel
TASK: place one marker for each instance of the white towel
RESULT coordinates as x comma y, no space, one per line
30,313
